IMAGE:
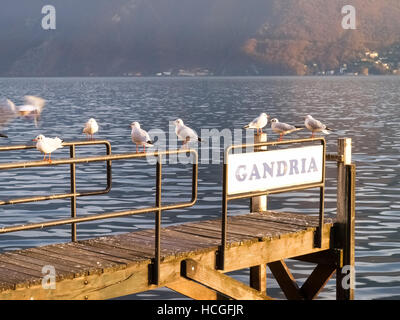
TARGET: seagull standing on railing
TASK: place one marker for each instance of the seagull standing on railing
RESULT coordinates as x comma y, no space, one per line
91,127
315,126
185,133
283,128
140,137
258,123
47,145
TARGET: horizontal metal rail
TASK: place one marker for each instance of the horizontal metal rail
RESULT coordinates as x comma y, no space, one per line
31,164
74,220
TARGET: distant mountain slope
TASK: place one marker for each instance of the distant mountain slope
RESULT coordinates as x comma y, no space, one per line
102,37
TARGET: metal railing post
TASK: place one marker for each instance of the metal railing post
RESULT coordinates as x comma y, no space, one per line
73,191
157,253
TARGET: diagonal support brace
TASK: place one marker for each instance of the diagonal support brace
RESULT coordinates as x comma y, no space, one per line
219,282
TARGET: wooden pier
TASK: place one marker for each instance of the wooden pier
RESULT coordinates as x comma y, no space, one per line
193,258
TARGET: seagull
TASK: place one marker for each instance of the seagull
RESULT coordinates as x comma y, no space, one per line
283,128
185,133
315,126
258,123
91,127
47,145
140,137
8,110
7,113
32,108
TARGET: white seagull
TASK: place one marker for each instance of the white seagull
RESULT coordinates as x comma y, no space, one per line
140,137
7,113
315,126
258,123
91,127
47,145
283,128
32,108
185,133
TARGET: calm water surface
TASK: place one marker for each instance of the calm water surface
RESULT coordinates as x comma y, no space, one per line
365,109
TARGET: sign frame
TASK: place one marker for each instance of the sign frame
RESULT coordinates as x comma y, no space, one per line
259,146
274,169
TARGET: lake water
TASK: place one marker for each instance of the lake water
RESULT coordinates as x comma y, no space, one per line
365,109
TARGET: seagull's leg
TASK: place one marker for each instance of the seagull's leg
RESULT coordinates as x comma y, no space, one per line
137,150
44,158
49,157
312,136
144,148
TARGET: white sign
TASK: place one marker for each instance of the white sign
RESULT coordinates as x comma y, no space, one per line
268,170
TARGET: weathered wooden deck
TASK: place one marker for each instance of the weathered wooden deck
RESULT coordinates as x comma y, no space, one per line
118,265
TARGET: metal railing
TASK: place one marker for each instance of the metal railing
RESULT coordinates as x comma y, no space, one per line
226,197
72,194
108,158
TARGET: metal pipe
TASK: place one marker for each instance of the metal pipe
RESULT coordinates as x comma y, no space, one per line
157,254
73,191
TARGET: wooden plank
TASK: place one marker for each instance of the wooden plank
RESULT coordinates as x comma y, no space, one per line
331,256
34,256
167,249
201,240
265,226
258,278
297,223
96,257
195,244
206,233
235,233
285,280
126,254
17,278
193,290
123,241
215,232
220,282
35,271
98,262
285,247
117,254
317,280
66,258
285,217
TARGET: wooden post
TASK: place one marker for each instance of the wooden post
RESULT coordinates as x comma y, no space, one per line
258,278
259,204
258,274
345,221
